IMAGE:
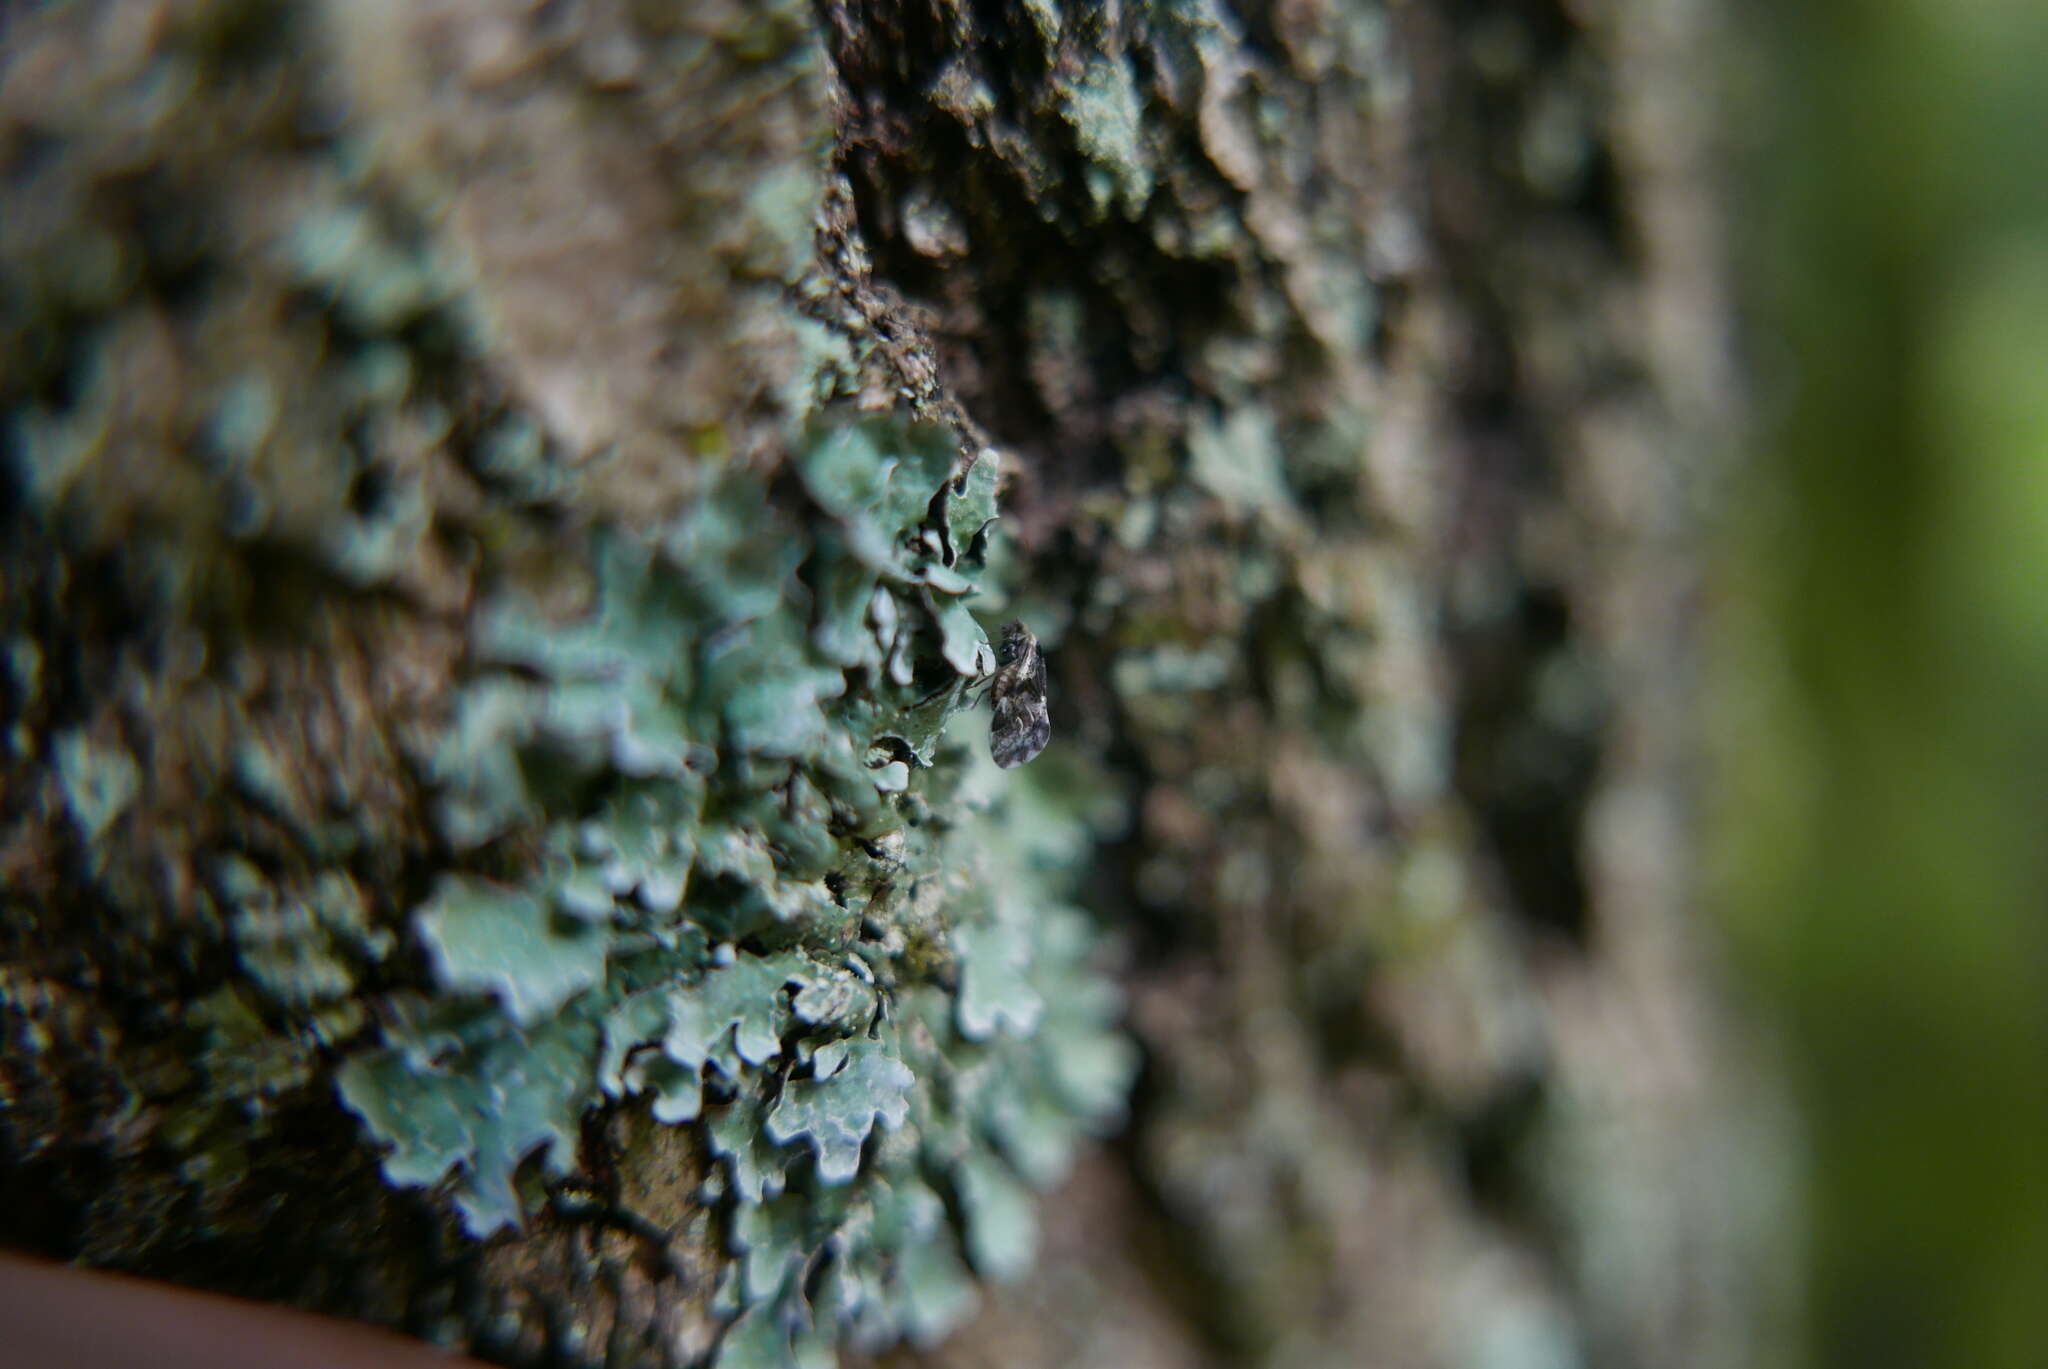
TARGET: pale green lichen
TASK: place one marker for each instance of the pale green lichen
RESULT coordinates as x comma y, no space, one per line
99,782
702,846
772,897
1239,461
509,943
343,253
1106,110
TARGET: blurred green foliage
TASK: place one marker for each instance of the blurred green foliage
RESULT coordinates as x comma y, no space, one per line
1888,739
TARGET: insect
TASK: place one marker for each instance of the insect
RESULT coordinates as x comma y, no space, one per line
1021,728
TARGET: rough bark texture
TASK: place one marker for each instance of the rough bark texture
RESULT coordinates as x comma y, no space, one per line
1356,374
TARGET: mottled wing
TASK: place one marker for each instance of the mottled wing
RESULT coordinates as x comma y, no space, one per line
1021,727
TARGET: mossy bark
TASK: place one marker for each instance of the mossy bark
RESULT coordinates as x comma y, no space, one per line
1359,375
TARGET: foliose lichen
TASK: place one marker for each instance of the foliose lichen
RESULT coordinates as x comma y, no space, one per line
768,893
686,838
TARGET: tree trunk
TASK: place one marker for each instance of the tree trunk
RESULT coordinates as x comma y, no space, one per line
505,499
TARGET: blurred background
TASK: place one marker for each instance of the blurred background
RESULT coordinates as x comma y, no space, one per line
1880,737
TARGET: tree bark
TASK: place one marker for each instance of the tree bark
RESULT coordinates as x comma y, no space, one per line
1356,376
